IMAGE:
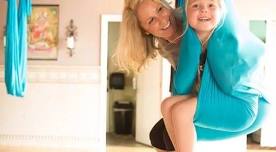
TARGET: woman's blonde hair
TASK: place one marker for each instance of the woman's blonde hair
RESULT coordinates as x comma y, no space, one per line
135,48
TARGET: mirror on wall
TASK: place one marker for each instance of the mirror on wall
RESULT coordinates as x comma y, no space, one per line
259,28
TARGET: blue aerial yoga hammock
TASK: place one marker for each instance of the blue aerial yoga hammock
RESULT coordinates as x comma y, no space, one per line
231,100
179,2
16,47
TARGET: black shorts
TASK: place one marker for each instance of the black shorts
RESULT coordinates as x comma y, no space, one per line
159,137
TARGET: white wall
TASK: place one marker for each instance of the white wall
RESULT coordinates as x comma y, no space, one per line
62,104
264,10
255,9
268,130
60,109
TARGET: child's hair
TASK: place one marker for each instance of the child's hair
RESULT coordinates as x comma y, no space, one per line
222,17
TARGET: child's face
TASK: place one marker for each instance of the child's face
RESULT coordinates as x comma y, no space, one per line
203,15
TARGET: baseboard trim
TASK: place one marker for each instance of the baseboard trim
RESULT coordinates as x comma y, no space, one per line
60,74
50,141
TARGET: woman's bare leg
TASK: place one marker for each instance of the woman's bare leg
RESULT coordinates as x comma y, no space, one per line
183,126
166,106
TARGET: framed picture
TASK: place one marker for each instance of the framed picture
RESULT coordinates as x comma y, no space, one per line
43,32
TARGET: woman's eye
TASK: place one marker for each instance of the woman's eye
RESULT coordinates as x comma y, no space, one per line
150,20
160,9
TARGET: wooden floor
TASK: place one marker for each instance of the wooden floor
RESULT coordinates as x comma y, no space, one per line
33,149
253,147
109,149
117,143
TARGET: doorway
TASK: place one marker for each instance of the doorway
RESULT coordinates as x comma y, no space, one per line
109,37
151,89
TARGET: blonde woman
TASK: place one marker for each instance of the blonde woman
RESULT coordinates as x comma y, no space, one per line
148,28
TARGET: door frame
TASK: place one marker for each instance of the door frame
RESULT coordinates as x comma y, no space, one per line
105,20
165,71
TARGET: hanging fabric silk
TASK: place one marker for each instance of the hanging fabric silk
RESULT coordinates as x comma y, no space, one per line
16,47
233,63
179,3
231,100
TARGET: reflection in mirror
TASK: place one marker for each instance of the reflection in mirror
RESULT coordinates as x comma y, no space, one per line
258,27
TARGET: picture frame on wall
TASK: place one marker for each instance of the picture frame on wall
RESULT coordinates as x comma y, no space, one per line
43,32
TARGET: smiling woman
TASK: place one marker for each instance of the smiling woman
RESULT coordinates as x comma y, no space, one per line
158,20
144,23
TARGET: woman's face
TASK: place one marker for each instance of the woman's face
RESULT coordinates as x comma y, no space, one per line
203,15
156,19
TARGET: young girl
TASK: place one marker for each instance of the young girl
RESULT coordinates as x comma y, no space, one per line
217,91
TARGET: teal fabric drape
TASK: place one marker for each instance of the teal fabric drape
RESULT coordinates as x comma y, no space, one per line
16,47
234,53
180,3
231,99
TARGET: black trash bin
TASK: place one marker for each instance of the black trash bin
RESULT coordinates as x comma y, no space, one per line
123,117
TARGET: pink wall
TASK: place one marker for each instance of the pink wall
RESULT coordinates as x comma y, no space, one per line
87,17
2,20
86,14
